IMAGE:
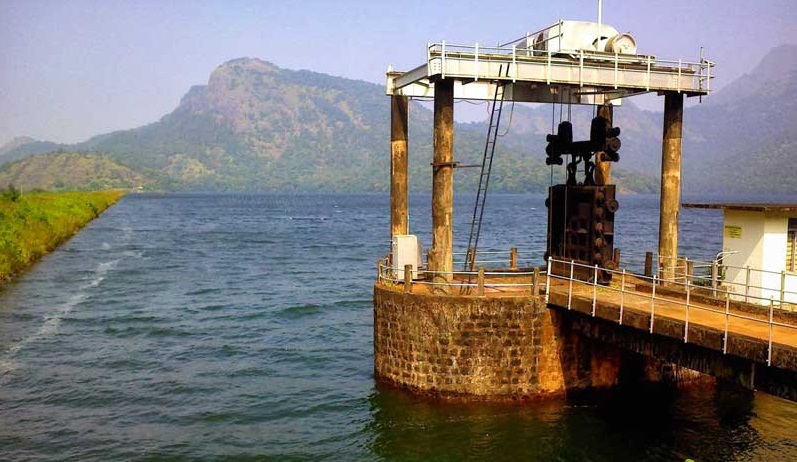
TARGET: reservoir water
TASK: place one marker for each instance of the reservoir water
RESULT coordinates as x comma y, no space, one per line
200,326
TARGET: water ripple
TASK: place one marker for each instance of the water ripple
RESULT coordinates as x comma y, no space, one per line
238,326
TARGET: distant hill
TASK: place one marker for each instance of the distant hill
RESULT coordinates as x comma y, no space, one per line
22,146
255,126
743,137
69,171
15,143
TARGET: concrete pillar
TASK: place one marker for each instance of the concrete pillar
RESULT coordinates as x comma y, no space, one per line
443,180
670,183
399,195
603,170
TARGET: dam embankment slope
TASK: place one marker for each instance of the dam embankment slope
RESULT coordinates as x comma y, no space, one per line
34,224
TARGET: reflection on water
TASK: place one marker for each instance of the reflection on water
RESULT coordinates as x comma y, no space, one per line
701,422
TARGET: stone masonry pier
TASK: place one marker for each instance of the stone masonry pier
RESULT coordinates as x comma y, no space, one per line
505,345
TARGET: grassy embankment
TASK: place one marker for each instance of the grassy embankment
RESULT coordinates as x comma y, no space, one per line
33,224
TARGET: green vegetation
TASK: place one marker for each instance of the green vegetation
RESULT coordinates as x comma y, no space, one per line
32,224
63,171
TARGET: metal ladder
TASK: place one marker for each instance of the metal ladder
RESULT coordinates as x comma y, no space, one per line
484,177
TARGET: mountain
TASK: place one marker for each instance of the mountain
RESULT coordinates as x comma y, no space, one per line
771,76
255,126
69,171
747,131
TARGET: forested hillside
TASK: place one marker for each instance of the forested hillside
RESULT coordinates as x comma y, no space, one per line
255,126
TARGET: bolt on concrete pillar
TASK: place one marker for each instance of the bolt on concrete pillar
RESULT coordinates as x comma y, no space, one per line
443,182
399,195
603,169
670,183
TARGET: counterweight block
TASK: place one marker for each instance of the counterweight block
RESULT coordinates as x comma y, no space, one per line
581,228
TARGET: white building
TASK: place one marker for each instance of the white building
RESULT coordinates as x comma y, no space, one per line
760,251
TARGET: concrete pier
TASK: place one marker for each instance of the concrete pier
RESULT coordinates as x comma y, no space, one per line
670,182
399,191
442,259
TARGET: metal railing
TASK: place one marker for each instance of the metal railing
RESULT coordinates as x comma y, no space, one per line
621,285
700,72
516,257
751,285
746,284
466,282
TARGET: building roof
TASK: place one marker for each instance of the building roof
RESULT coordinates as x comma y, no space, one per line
748,207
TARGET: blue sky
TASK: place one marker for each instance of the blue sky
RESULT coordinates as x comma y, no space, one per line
71,69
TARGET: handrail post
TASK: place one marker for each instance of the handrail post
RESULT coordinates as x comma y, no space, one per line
476,66
769,349
616,63
715,274
514,65
480,282
652,303
548,281
622,296
429,46
727,319
548,73
443,61
690,270
570,290
747,285
535,282
782,288
708,77
679,75
407,279
595,291
513,258
688,294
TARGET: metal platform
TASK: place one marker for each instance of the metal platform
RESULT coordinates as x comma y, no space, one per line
541,76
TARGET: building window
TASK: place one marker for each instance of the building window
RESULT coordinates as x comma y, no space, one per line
791,245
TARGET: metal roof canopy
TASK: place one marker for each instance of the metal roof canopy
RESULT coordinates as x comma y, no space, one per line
542,76
747,207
